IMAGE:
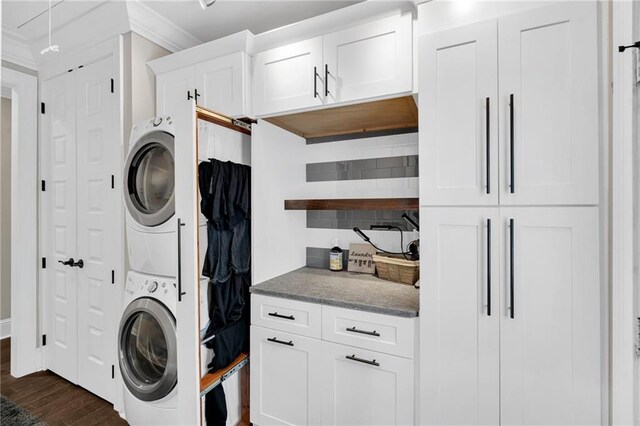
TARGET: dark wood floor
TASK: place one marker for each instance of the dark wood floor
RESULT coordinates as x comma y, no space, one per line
52,398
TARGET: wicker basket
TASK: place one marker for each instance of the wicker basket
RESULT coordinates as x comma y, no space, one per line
397,269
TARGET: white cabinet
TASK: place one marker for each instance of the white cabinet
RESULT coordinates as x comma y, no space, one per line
366,61
220,84
289,77
549,105
369,60
285,378
460,311
536,358
458,116
550,327
362,387
543,92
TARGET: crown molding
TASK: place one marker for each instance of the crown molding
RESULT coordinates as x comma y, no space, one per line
15,49
158,29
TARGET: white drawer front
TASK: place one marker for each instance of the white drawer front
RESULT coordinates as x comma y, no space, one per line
286,315
382,333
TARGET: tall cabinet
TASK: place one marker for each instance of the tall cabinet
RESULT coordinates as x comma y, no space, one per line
510,309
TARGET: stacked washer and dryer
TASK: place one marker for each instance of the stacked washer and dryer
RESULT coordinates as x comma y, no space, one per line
147,332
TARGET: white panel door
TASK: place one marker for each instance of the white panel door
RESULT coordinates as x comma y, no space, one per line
458,116
362,387
222,84
288,78
285,378
172,88
59,151
549,105
550,321
460,316
369,60
98,207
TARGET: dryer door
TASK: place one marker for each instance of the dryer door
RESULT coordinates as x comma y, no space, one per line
147,340
150,179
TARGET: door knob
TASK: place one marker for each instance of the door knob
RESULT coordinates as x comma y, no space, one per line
69,262
79,263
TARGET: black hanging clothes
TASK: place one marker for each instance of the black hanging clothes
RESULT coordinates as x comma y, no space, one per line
225,188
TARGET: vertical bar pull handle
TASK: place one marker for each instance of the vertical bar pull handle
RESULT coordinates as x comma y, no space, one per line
326,80
512,307
315,82
180,292
488,267
488,144
512,184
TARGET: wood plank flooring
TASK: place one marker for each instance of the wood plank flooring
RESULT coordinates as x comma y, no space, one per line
52,398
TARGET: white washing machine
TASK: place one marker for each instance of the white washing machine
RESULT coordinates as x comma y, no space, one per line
149,183
147,349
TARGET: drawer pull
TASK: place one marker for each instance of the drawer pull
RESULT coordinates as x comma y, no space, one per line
282,342
277,315
364,361
369,333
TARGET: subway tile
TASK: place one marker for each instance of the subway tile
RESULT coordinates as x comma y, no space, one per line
372,168
376,174
390,162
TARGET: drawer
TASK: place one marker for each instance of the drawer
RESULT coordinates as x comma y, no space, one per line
367,330
287,315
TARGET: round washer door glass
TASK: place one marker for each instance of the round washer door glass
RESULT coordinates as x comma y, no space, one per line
148,349
150,180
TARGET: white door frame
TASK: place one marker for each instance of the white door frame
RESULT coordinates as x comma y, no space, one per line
624,401
25,353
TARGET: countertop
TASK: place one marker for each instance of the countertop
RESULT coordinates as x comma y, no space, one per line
349,290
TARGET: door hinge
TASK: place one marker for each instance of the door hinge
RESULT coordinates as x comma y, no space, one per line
41,107
44,263
113,276
112,86
113,181
113,371
44,340
43,185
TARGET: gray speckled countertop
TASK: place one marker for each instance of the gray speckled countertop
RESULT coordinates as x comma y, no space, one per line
344,289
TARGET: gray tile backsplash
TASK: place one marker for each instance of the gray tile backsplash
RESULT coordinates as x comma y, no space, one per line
373,168
363,219
319,258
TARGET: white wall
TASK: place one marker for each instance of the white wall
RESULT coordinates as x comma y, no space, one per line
5,210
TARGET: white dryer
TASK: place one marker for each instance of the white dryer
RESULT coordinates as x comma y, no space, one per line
149,184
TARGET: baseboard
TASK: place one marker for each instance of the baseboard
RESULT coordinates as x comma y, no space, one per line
5,328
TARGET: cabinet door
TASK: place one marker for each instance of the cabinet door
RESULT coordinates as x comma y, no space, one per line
172,87
459,316
288,78
550,325
222,84
285,378
458,116
549,105
362,387
369,60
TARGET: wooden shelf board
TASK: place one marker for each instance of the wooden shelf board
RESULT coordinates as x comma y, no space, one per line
387,114
354,204
211,380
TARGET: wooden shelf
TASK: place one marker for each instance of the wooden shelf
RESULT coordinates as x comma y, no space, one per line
353,204
387,114
212,380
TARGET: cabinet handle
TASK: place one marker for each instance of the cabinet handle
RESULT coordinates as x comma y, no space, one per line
488,143
277,315
512,185
512,307
488,267
370,333
315,82
282,342
180,292
364,361
189,97
326,80
197,95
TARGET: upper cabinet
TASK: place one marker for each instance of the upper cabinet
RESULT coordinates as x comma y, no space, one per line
221,84
363,62
543,93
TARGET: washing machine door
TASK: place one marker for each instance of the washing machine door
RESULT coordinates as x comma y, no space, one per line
147,340
150,179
